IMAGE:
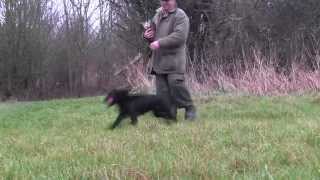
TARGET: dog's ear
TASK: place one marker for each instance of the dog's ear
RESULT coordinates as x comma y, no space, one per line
124,92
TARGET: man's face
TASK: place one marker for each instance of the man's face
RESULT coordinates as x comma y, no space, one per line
168,5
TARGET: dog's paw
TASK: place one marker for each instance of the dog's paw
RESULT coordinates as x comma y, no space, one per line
168,122
111,127
171,121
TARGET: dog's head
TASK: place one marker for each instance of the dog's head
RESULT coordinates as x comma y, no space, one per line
116,96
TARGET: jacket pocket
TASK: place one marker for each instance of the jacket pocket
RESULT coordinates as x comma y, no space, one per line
168,62
173,51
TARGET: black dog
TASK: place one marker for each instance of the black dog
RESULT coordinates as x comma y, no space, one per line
134,105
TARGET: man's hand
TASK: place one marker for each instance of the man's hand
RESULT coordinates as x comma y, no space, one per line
149,33
155,45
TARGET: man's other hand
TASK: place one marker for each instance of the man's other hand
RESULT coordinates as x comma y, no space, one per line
155,45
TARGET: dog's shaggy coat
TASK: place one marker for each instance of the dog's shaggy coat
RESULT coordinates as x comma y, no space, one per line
134,105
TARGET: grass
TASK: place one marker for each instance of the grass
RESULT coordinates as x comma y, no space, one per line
235,137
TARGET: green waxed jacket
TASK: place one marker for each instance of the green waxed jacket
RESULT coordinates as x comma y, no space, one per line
172,31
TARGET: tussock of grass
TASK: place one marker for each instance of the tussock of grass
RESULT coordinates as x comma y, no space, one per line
235,137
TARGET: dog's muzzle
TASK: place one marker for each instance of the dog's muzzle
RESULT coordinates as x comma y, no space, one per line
110,100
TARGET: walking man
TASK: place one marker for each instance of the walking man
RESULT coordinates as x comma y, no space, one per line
168,37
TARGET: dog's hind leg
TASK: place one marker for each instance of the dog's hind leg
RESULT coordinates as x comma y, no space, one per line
171,112
118,120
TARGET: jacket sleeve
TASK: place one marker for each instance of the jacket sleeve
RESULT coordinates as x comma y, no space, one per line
179,35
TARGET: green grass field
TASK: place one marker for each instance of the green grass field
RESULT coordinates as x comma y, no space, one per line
235,137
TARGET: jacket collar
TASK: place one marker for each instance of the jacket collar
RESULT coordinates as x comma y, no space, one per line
165,14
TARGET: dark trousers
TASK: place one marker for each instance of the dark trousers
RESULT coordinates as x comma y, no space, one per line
173,86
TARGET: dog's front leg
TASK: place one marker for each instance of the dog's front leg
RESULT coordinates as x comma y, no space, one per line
134,120
118,120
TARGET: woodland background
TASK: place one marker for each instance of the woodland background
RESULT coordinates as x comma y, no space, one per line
73,48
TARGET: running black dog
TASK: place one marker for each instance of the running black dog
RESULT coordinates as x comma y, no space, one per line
134,105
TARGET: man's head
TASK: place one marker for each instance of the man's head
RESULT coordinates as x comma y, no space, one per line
168,5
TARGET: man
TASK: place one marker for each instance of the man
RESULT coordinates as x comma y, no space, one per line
168,39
